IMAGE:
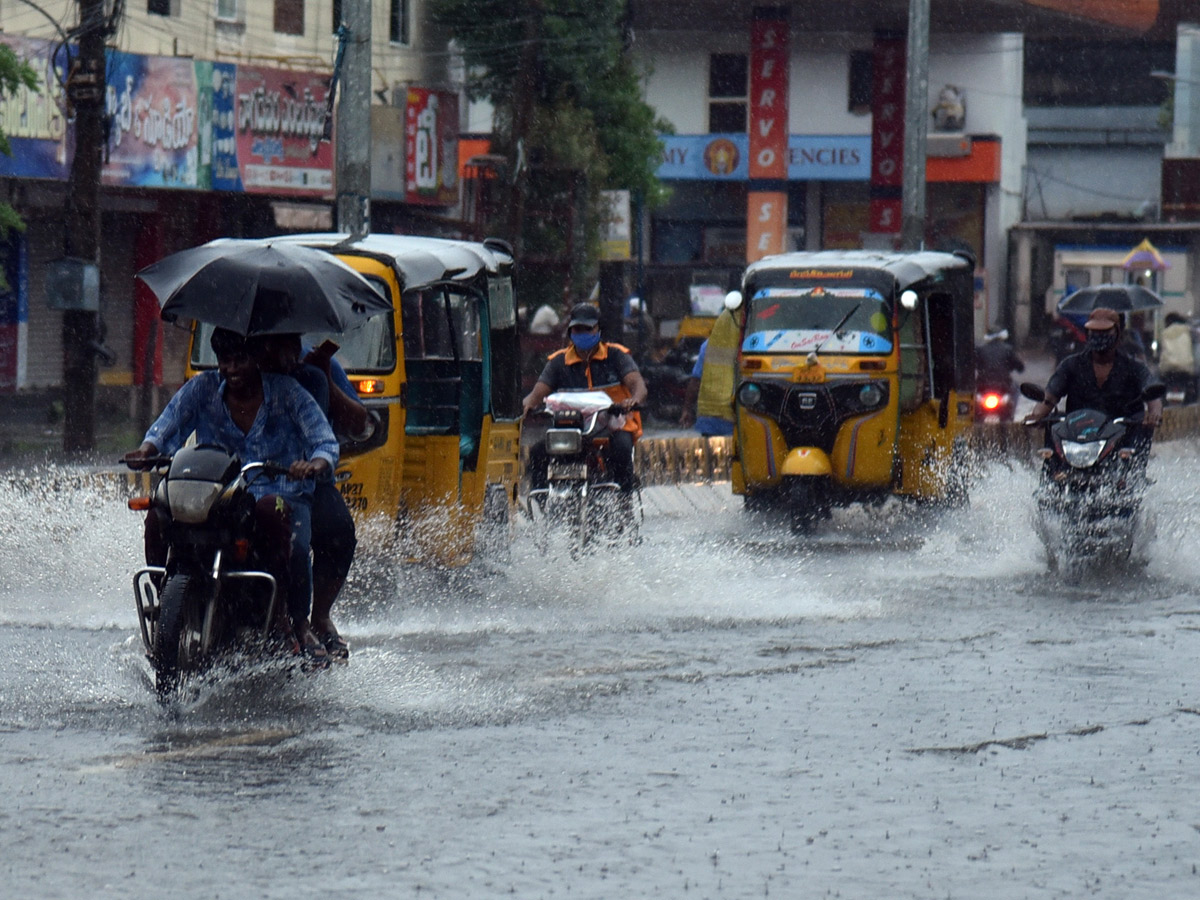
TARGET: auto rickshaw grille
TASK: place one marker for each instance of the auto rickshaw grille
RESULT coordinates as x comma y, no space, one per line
810,415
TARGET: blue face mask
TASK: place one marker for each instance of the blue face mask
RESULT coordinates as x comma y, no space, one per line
585,340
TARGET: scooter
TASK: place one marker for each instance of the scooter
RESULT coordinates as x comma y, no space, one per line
580,498
213,593
1093,481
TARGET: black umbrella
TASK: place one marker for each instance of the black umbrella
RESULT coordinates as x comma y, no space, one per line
1121,298
260,287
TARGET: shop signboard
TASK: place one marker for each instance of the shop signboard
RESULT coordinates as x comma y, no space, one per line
153,140
280,121
887,135
723,157
766,201
222,85
431,147
34,121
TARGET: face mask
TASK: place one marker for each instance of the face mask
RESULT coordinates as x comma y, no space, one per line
585,340
1099,341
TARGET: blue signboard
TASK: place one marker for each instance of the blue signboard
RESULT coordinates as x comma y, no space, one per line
722,157
35,121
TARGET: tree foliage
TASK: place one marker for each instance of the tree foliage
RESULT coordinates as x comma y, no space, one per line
15,74
558,77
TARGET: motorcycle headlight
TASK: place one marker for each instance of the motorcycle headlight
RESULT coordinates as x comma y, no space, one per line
191,501
750,395
563,441
1082,456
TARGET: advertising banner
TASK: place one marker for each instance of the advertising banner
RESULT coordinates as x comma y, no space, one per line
887,135
35,122
154,137
431,147
768,96
280,119
222,87
14,312
766,223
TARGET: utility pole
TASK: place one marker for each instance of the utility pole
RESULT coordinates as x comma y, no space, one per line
80,327
912,218
353,150
524,97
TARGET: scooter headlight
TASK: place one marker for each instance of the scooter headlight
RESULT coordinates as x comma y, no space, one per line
191,501
563,441
1082,455
750,395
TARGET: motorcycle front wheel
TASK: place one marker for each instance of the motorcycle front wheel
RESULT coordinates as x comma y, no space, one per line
177,633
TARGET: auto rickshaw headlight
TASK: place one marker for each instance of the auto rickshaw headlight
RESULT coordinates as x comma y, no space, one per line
870,396
750,395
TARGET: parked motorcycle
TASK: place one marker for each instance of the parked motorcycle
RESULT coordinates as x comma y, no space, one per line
213,593
995,402
580,499
1093,481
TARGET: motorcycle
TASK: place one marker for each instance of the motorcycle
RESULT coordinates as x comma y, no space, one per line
213,593
1093,481
994,401
580,498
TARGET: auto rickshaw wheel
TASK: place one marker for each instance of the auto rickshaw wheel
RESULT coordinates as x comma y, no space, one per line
807,502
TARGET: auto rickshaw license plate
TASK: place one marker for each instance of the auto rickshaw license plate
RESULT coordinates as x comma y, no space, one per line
810,375
567,471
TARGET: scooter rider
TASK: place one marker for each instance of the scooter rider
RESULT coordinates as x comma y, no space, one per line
589,363
1103,377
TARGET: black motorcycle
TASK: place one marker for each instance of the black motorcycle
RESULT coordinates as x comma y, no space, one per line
1093,480
213,593
995,401
580,498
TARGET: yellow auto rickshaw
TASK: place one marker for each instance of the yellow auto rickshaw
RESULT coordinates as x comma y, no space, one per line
855,379
441,373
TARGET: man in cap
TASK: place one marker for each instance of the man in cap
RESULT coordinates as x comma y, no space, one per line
1103,377
588,363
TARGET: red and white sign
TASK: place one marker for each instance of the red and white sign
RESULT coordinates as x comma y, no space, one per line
280,123
431,147
887,135
769,98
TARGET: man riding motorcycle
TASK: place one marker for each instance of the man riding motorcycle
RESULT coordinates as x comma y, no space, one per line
262,417
590,363
1105,378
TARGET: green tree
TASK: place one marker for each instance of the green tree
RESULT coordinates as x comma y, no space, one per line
569,115
14,74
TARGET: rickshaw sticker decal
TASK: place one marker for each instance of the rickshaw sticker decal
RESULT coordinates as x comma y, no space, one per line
803,340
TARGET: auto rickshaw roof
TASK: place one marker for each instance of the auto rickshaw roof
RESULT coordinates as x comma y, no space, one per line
418,261
906,268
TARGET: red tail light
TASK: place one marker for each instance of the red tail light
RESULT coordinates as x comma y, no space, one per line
991,401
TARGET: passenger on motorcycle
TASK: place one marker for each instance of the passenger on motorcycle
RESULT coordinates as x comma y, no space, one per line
255,416
333,532
1105,378
589,363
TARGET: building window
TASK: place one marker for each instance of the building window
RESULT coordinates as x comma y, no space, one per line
398,22
289,16
158,7
861,68
337,15
727,91
227,11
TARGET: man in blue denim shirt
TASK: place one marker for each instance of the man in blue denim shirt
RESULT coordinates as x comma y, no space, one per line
257,417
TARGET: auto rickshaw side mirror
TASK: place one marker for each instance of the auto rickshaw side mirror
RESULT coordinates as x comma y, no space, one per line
733,301
908,300
1032,391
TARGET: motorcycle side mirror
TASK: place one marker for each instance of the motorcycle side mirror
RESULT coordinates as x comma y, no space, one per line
908,300
733,301
1154,392
1032,391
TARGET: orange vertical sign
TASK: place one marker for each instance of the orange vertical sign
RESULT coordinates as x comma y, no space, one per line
766,223
766,200
887,135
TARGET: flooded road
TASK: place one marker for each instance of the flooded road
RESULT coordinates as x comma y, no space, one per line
908,707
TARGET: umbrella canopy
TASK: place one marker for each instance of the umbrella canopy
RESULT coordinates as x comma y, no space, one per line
262,287
1145,256
1120,297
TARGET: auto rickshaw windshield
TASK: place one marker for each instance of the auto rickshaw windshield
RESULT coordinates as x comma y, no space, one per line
368,348
798,319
